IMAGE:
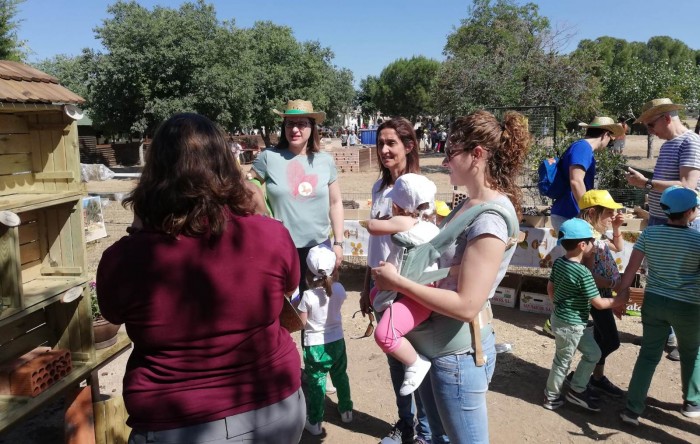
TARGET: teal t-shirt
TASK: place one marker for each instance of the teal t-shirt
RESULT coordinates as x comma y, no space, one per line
574,287
297,188
673,255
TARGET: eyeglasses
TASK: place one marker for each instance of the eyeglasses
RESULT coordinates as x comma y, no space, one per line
652,123
451,153
301,124
370,328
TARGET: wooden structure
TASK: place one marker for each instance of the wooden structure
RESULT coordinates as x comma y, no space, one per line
355,159
42,261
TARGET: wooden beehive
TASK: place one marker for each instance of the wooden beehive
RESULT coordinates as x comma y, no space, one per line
355,159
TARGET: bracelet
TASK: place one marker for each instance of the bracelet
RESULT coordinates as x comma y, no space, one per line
616,235
339,244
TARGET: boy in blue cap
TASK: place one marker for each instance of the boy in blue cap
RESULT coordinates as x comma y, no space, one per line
671,299
572,289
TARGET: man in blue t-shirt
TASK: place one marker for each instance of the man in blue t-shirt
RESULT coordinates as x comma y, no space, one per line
576,168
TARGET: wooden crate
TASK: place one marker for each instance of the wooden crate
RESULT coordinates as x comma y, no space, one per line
42,258
39,159
355,159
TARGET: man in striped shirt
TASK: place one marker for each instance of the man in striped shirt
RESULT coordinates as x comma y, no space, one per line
678,164
572,288
671,298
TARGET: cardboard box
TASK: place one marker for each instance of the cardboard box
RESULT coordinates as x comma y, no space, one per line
507,292
535,302
633,225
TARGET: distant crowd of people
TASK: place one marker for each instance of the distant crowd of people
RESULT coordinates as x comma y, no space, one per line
205,272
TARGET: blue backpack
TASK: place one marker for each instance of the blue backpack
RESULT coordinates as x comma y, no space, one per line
547,178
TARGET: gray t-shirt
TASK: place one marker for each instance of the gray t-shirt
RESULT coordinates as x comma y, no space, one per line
441,335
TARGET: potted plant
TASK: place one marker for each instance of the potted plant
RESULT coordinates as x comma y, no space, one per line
104,331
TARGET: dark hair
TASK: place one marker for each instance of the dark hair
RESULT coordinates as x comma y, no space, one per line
314,281
507,144
571,244
314,143
673,216
191,179
594,133
407,135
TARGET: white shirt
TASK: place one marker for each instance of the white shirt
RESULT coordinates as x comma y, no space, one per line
324,323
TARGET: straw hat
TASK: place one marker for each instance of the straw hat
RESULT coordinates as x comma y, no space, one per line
656,107
301,108
605,123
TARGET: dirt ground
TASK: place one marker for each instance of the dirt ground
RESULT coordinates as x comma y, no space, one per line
515,395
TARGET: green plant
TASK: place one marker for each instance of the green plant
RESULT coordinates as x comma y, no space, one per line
94,306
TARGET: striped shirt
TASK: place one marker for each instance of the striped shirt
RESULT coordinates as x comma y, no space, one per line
574,288
681,151
673,255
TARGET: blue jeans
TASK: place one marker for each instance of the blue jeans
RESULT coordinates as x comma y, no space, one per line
454,395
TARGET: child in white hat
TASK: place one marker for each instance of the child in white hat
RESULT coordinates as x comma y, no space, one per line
324,346
413,198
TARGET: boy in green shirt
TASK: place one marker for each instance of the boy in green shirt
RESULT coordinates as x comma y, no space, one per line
572,288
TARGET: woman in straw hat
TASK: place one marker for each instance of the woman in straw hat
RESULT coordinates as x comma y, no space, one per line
301,183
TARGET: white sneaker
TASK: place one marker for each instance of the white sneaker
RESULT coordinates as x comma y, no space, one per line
9,219
314,429
414,375
346,417
330,388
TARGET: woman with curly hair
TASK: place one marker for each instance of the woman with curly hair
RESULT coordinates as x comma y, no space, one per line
485,156
200,286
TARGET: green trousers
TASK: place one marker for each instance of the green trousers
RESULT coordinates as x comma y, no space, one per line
318,361
658,314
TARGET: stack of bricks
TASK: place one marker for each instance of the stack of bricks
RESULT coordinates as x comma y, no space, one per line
34,372
355,159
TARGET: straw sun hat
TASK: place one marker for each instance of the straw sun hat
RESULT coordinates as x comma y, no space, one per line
301,108
605,123
655,107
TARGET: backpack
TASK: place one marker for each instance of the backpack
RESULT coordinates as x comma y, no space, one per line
548,182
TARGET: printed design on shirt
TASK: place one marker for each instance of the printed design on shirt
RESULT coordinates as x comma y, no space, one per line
300,183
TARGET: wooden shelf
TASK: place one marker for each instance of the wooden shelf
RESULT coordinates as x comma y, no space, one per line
103,356
41,292
14,408
26,202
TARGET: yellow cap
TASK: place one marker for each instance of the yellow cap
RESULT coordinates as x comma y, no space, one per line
602,198
441,208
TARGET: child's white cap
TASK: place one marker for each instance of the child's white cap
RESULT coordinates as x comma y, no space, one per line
411,190
321,261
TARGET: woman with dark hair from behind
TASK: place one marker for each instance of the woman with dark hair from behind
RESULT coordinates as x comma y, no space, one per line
200,287
485,156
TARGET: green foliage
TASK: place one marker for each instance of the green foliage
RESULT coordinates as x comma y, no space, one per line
10,47
365,96
403,88
94,306
505,54
161,61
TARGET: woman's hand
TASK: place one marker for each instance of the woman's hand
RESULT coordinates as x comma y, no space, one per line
385,276
338,250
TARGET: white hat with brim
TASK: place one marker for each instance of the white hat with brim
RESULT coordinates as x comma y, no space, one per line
656,107
411,191
605,123
301,108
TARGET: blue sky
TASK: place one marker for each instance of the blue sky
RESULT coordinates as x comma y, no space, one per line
367,35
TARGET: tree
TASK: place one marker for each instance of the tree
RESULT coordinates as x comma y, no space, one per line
404,87
10,47
504,54
365,96
73,72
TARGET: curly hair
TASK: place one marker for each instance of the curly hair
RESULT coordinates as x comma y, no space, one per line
507,143
191,180
407,135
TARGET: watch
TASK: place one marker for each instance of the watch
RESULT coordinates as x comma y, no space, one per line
649,185
340,244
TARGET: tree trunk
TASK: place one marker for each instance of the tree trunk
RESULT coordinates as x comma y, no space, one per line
650,139
266,137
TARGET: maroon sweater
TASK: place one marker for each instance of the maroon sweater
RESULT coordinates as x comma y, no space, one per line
203,317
